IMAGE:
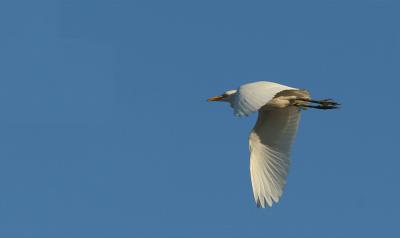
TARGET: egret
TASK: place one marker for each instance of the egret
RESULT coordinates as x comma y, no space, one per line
278,108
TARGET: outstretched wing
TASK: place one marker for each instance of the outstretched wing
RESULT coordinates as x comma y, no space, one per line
270,143
252,96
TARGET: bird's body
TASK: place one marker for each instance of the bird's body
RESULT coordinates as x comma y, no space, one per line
278,108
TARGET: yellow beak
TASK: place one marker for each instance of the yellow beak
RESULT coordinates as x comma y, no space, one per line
215,99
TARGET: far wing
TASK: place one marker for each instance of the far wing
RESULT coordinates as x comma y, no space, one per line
270,143
252,96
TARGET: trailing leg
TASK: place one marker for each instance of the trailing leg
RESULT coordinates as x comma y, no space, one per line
320,104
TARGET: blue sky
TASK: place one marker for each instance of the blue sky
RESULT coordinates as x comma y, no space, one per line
105,131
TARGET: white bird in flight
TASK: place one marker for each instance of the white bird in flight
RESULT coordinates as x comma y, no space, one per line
270,140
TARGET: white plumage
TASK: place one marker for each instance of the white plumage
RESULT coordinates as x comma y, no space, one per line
271,138
270,143
252,96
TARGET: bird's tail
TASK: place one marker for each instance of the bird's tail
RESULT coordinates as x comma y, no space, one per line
317,104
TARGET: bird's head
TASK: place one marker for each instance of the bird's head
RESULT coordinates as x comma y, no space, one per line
225,97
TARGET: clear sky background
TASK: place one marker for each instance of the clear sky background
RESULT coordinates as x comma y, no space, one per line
105,130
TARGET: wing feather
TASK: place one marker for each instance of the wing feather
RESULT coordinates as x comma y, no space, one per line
252,96
270,143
